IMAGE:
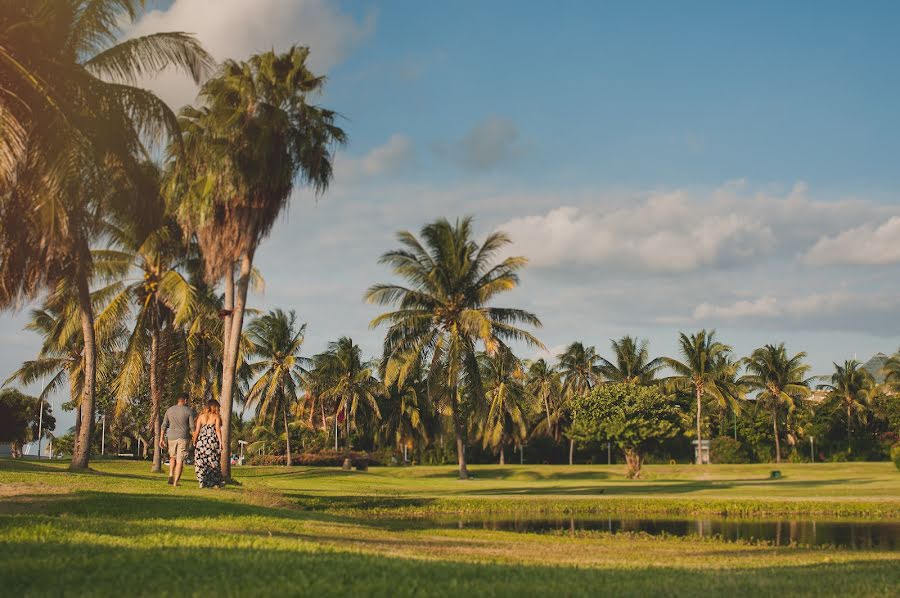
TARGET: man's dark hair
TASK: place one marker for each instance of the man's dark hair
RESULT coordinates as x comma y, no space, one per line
183,397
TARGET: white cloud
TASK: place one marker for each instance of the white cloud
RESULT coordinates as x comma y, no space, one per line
762,307
685,230
487,145
869,244
238,28
393,157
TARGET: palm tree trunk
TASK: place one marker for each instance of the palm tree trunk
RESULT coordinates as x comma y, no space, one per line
287,434
502,455
460,443
571,451
699,429
775,429
849,441
232,336
82,453
155,398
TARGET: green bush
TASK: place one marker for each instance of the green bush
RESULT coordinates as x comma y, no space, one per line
725,449
895,455
320,459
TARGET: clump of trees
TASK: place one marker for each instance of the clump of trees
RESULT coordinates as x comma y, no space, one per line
22,420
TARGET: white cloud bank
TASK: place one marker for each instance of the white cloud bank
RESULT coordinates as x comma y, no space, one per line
238,28
684,231
393,157
869,244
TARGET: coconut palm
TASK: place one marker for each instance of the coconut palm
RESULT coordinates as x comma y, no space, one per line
276,340
853,388
159,300
891,371
631,362
580,369
74,130
254,137
701,372
544,383
443,317
780,380
349,383
506,409
403,404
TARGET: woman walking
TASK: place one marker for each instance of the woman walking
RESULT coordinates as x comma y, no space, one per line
208,446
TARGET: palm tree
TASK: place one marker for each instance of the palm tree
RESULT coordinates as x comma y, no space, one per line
891,371
544,383
402,406
74,126
443,316
853,388
350,383
581,371
276,340
632,362
779,379
701,372
255,135
503,376
161,299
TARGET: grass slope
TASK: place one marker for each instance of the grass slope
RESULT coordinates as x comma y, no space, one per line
327,532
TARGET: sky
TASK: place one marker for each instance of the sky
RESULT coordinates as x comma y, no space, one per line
664,166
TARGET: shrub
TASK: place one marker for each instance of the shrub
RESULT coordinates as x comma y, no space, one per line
895,455
725,449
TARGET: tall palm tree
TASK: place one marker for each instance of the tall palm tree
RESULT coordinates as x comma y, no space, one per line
544,382
276,340
700,371
631,362
351,385
74,130
853,388
443,316
581,371
779,379
503,376
254,137
156,302
891,371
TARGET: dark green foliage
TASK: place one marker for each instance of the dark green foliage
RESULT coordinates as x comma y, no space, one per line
725,449
19,416
895,455
635,418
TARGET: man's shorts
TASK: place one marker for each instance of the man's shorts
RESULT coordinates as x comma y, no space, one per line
178,448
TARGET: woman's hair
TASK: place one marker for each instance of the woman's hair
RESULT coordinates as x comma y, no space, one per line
212,406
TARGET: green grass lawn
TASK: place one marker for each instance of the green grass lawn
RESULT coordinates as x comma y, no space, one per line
328,532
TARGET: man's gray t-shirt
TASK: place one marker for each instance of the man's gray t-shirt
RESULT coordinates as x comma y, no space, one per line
179,421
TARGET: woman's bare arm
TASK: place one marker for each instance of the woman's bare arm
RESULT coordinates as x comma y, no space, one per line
196,430
219,429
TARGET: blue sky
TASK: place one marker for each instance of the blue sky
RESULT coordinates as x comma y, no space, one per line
665,166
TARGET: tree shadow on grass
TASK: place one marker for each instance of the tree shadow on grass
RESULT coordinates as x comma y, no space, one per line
521,475
56,567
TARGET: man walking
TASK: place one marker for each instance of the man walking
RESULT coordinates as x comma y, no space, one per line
177,426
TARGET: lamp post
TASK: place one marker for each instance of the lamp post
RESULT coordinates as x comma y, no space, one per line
103,437
242,443
812,451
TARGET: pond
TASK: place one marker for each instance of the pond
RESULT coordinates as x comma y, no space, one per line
855,535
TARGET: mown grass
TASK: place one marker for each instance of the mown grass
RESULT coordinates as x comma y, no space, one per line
327,532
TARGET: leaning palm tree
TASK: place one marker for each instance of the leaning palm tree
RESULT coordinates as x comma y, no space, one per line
631,363
276,340
700,371
780,380
402,406
853,388
351,385
254,137
74,127
581,371
506,409
443,316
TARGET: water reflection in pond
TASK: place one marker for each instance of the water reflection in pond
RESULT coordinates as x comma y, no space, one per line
781,532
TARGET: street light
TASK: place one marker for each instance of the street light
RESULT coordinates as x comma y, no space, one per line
812,452
242,443
40,425
103,437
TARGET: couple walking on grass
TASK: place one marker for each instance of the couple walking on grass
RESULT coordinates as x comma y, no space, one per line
180,427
